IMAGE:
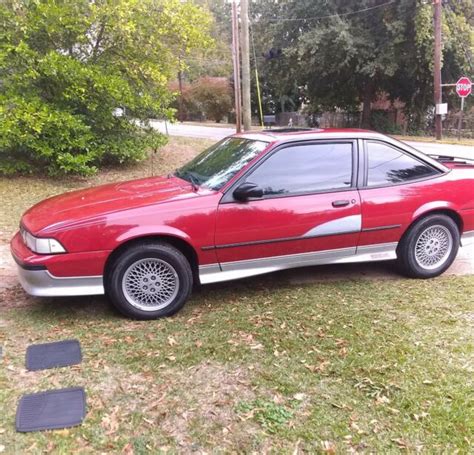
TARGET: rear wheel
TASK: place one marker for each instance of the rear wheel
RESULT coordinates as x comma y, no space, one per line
149,281
429,247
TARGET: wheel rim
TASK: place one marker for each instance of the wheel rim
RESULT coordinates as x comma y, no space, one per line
433,247
150,284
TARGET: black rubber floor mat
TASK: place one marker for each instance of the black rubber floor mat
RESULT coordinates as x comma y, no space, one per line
51,355
51,410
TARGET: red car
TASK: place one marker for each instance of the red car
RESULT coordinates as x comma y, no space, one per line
251,204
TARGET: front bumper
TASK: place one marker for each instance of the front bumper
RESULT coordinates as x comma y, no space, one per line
35,272
41,283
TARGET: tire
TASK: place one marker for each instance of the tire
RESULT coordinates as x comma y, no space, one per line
429,247
149,281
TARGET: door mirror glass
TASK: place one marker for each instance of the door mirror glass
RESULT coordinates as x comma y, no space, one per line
246,191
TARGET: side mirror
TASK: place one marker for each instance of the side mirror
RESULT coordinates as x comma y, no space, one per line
247,190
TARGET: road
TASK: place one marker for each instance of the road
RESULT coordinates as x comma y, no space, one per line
217,133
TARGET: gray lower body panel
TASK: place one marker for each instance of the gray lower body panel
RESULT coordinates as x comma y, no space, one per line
42,284
241,269
467,238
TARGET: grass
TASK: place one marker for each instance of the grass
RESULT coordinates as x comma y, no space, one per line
260,365
446,140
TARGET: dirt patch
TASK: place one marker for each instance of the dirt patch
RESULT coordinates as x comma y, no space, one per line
14,297
190,408
201,402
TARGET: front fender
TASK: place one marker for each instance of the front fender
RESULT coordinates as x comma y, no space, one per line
152,231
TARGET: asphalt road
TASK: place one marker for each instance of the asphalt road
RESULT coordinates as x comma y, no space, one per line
217,133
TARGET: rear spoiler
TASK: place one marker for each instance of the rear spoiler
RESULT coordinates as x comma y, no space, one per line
452,159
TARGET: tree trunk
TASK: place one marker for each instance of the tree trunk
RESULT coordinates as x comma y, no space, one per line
368,97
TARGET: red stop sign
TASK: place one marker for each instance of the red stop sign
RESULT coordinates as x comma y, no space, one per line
463,87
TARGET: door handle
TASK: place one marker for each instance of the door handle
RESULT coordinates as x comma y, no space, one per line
341,203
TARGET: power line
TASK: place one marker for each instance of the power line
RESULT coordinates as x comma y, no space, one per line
332,15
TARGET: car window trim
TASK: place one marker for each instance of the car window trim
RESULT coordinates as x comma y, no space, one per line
228,198
365,152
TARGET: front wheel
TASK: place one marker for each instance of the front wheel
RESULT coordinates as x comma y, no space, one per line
149,281
429,247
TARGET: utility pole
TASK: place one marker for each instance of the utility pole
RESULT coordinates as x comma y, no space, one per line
437,66
236,61
180,101
246,109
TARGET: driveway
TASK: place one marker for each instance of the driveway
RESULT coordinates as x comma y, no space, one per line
217,133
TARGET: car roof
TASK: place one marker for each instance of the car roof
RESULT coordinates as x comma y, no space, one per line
289,134
298,134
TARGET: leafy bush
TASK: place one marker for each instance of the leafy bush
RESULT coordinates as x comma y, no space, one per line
66,67
207,98
380,121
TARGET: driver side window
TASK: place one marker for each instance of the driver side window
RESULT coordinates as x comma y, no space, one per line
301,169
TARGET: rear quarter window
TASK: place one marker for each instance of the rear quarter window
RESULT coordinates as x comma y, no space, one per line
388,165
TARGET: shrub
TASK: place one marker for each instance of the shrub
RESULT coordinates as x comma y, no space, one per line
207,97
65,67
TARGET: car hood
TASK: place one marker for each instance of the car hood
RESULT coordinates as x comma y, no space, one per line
75,207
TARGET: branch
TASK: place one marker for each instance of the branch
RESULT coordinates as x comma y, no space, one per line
98,40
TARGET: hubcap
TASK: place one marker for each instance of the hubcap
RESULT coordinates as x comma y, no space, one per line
433,247
150,284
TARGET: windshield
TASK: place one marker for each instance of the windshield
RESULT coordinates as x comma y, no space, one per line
214,167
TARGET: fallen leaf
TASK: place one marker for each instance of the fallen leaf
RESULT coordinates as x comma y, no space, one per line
418,417
401,443
128,449
382,399
172,341
343,352
328,447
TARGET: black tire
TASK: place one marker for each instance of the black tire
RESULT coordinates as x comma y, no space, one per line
415,264
171,267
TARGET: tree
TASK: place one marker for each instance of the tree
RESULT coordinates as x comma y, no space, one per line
65,68
215,61
342,54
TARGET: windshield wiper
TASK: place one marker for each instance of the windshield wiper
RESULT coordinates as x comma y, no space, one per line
192,178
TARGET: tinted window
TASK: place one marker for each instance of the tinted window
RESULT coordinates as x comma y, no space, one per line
389,165
305,168
215,166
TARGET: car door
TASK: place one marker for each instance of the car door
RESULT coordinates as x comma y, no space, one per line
396,184
309,212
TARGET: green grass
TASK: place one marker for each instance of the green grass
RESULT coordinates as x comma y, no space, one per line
257,365
446,140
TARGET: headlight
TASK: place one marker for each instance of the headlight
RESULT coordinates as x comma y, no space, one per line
40,245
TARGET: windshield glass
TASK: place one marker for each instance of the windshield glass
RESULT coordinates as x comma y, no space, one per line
214,167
